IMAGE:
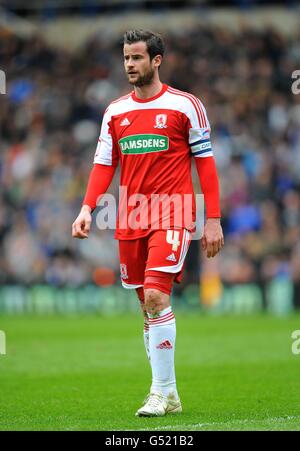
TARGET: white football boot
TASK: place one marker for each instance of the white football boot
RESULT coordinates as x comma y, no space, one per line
157,405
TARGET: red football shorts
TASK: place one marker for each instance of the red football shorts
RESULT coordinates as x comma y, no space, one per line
160,253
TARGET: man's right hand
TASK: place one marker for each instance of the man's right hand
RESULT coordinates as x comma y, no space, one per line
81,225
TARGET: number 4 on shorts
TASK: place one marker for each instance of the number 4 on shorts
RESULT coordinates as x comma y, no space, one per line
173,238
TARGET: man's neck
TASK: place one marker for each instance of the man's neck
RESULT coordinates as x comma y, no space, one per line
148,91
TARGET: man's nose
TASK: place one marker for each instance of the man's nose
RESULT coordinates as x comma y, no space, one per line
129,63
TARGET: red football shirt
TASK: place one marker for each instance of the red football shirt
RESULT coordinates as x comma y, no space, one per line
154,140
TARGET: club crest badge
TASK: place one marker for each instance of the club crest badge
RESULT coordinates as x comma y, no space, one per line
161,121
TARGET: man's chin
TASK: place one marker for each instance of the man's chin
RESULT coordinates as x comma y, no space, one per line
133,80
140,82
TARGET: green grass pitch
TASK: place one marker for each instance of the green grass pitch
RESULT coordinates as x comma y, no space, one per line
91,373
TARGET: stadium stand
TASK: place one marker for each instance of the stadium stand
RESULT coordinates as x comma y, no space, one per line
49,124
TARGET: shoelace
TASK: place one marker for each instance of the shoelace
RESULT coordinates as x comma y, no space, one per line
154,399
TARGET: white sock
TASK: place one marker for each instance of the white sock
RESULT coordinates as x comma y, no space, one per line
146,328
162,335
146,338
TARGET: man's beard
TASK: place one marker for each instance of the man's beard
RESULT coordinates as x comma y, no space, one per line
145,79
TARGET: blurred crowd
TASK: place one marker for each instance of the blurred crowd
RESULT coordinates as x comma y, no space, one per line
50,120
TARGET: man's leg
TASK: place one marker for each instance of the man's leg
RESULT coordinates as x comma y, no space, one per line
133,257
141,296
163,397
167,250
162,332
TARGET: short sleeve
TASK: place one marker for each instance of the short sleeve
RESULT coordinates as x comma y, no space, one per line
106,151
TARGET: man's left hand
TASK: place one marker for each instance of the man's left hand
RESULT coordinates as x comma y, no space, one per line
213,239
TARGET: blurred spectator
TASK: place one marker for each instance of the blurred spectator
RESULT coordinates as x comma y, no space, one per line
50,120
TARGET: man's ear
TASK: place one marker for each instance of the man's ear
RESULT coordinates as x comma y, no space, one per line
157,60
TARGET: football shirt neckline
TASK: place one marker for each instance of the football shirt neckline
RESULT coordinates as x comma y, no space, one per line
150,99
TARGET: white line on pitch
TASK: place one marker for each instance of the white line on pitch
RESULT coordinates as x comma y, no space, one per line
201,425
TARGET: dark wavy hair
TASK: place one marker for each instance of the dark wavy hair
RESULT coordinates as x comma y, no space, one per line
154,42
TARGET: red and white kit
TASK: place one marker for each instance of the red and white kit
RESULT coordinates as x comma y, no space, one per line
161,251
154,140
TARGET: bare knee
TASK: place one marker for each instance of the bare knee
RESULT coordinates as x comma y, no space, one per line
155,300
